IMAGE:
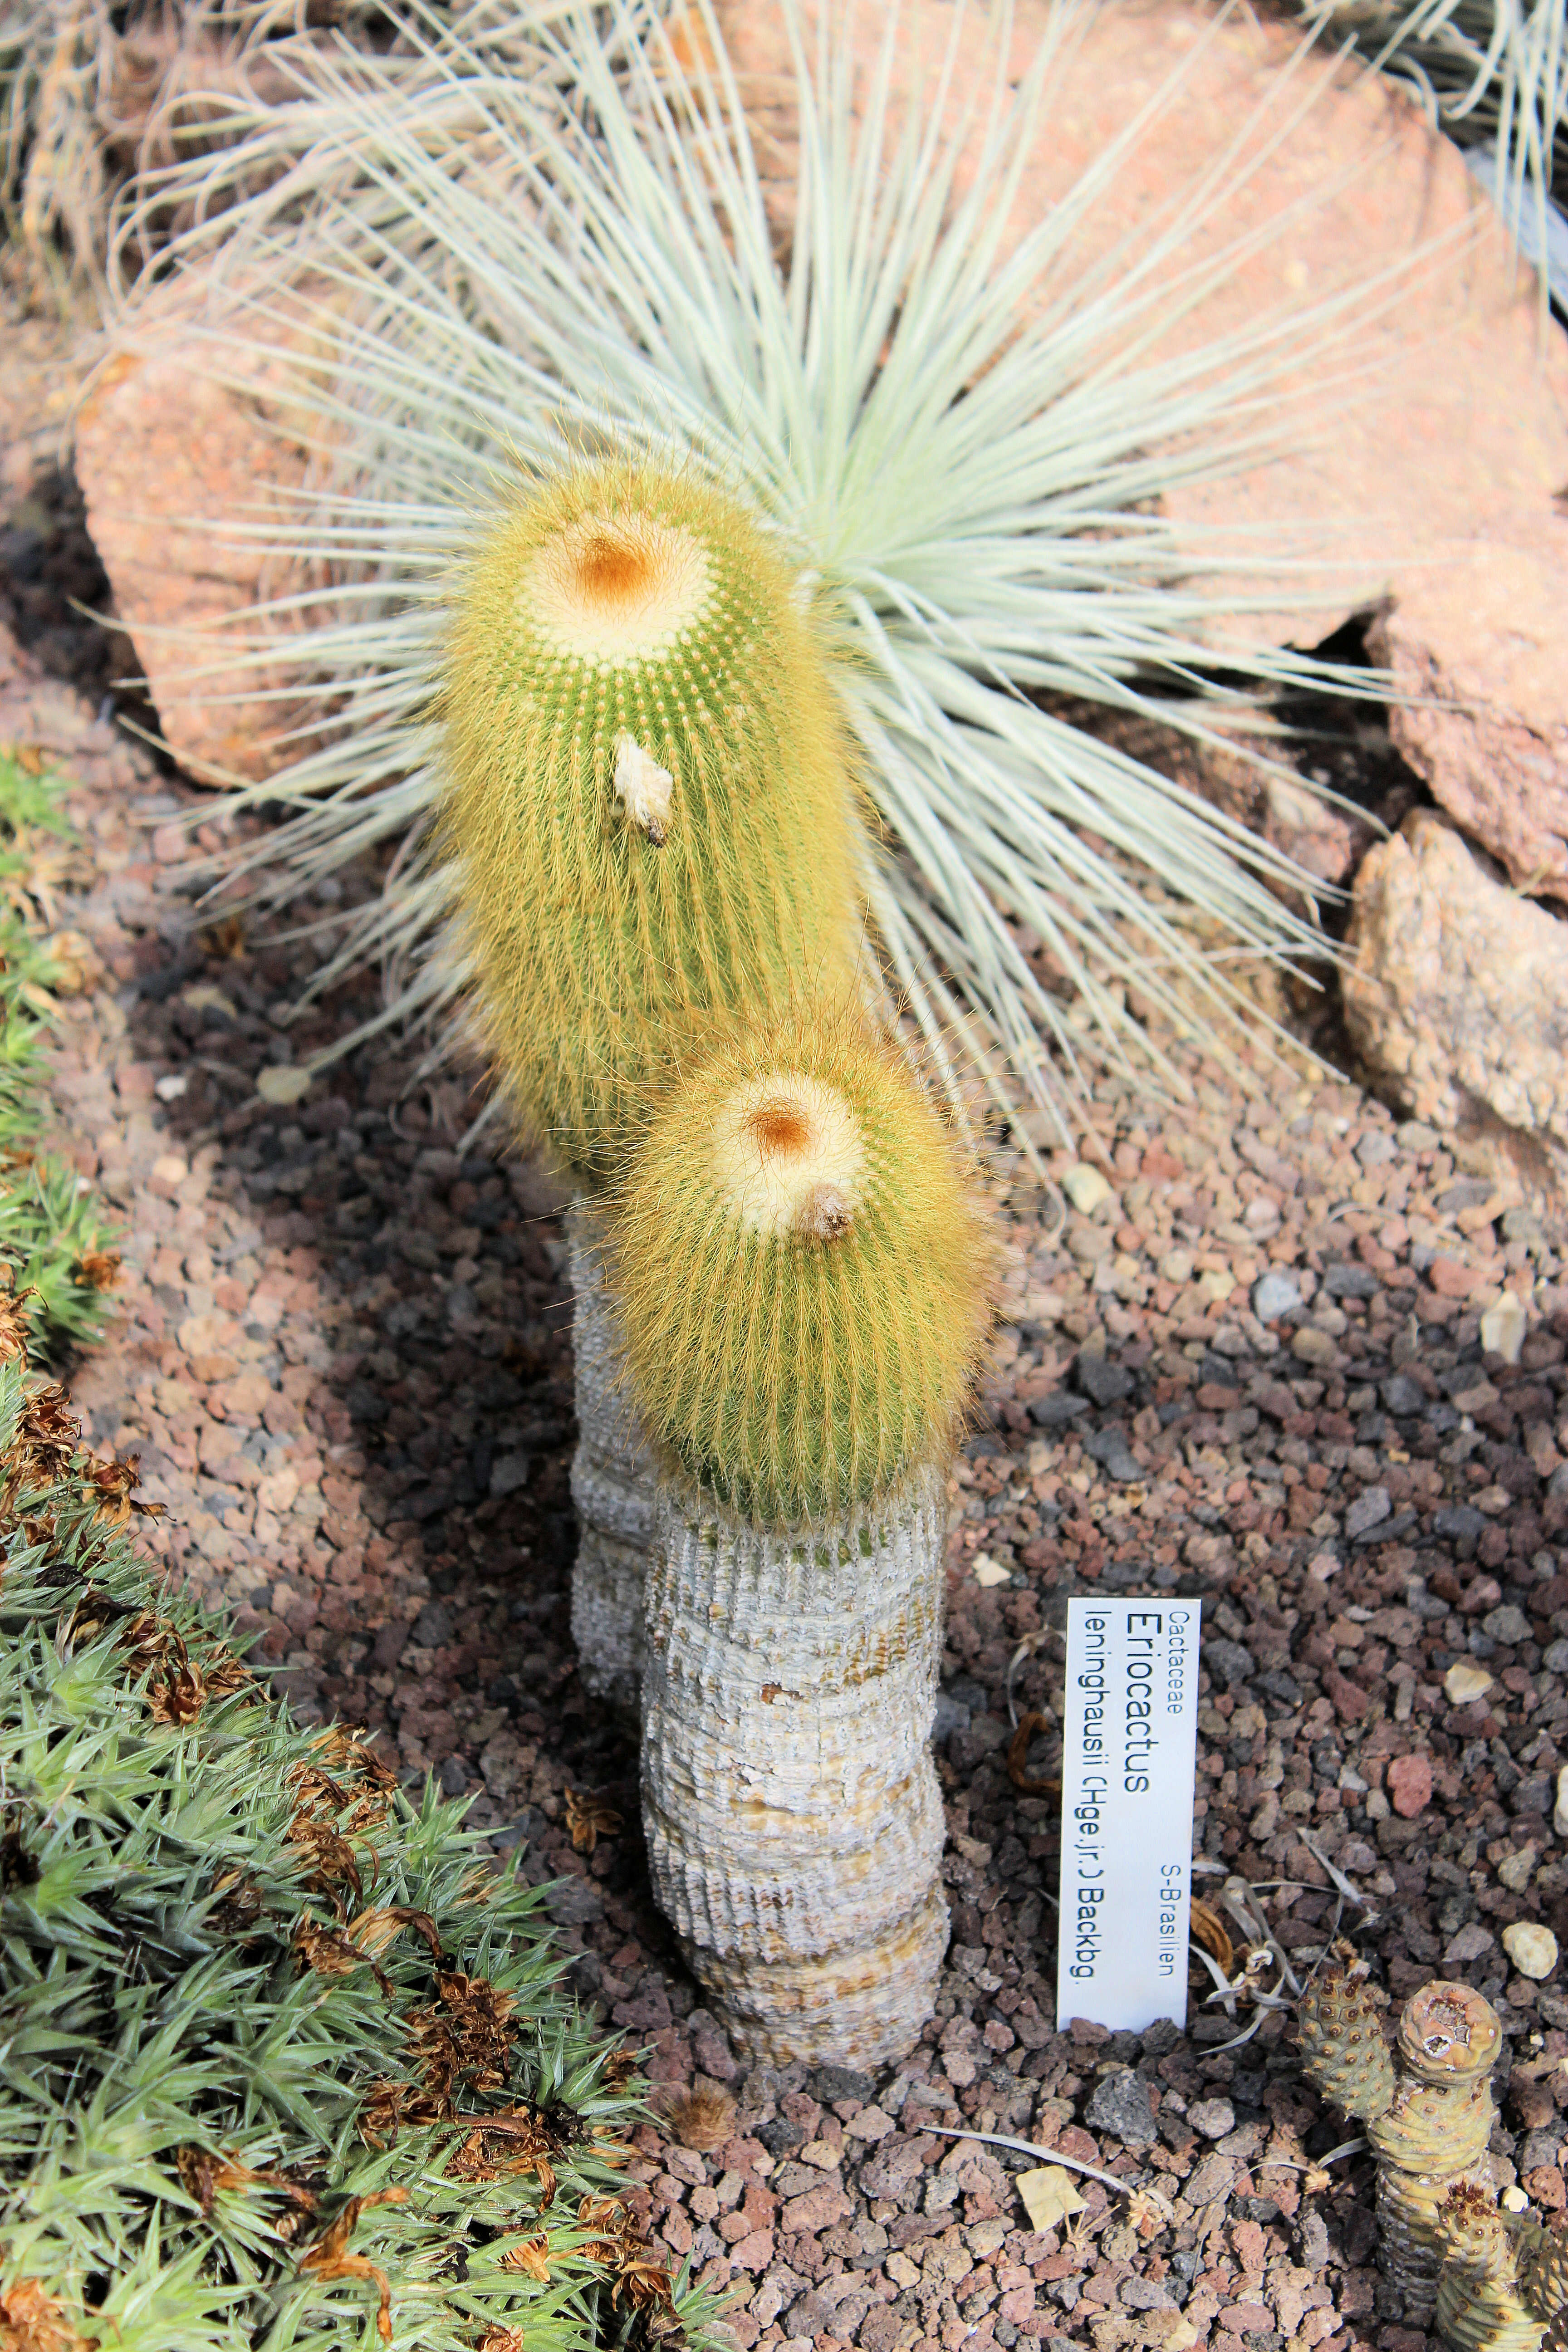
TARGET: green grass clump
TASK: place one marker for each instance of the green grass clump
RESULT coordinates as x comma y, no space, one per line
285,2062
53,1235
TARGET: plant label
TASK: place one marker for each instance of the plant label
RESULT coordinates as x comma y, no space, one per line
1130,1750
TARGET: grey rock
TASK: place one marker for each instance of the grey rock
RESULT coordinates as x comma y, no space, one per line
1212,2117
1229,1661
1118,2104
454,1777
1403,1396
831,2082
432,1629
1468,1193
1555,1659
951,1715
1103,1380
509,1472
1055,1411
1507,1624
1109,1448
1344,1281
1369,1510
573,1902
1274,1295
1460,1519
1377,1148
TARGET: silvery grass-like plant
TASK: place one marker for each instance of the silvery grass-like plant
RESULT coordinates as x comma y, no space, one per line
286,2059
957,441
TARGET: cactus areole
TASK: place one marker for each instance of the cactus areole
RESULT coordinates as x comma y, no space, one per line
648,803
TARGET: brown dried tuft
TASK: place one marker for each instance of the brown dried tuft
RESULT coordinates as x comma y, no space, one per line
33,2320
702,2120
612,570
779,1127
589,1818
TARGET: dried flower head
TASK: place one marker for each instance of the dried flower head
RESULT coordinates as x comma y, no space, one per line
703,2119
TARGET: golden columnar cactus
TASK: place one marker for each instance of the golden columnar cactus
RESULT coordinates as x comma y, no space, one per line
802,1285
649,800
651,821
1429,2119
801,1271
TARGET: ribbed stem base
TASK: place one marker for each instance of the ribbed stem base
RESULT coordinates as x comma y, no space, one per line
614,1484
1410,2243
793,1819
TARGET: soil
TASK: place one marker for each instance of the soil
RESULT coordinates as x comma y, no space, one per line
1254,1371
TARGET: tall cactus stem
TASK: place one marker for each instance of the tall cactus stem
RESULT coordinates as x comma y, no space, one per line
1433,2135
793,1818
614,1482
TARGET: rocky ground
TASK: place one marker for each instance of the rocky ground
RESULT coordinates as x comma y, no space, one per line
1283,1352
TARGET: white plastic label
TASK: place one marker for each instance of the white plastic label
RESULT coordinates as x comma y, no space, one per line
1130,1751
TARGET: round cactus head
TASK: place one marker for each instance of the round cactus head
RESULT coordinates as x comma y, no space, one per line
648,803
1449,2033
803,1275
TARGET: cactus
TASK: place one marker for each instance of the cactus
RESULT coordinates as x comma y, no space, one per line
801,1273
1543,2268
649,808
802,1283
1343,2054
1430,2134
613,1483
650,816
1479,2305
794,1821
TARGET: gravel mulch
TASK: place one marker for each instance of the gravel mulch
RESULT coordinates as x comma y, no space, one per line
1247,1365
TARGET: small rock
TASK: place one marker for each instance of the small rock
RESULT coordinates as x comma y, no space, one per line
1103,1380
1055,1411
1086,1188
1118,2104
282,1083
1531,1947
1212,2117
833,2082
1274,1295
989,1570
950,1715
1403,1396
1515,1871
1507,1624
1410,1785
509,1472
432,1628
1377,1148
1473,1942
1503,1327
1109,1448
1464,1681
1369,1510
1312,1346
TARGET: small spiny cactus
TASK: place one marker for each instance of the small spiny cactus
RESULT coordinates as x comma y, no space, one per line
802,1272
1431,2133
1344,2056
648,803
1543,2268
1479,2306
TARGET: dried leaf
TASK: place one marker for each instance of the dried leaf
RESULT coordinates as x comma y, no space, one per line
327,2260
33,2320
531,2255
589,1818
1209,1930
1018,1757
1049,2195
